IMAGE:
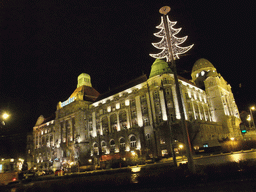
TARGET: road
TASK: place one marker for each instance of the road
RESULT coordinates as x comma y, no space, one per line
224,158
206,159
125,178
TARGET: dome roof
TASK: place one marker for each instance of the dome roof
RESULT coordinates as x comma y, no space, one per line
202,64
159,67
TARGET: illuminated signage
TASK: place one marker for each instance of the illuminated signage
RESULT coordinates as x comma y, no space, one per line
68,101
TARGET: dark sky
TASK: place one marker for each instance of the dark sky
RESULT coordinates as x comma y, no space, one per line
45,45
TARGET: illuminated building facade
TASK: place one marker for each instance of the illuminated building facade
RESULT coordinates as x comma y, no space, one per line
133,117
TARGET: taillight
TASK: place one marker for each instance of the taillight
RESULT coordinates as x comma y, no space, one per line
14,179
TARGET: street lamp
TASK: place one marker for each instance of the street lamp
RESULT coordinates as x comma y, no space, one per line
252,109
4,117
181,151
181,146
171,51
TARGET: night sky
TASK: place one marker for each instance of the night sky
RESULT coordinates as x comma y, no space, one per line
45,45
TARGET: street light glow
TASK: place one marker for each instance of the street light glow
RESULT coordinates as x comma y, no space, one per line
5,116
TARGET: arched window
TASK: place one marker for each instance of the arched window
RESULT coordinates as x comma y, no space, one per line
112,145
133,141
103,147
123,119
113,122
95,148
122,144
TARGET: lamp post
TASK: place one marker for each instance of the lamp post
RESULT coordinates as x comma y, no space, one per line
252,109
171,51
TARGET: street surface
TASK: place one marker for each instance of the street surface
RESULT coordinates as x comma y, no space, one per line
130,179
224,158
206,159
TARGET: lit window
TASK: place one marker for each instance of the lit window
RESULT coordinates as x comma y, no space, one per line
127,102
133,141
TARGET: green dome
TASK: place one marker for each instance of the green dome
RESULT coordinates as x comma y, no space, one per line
159,67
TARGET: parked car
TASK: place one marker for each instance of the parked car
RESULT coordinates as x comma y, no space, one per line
59,172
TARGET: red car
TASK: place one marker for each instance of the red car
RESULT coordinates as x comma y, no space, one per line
59,172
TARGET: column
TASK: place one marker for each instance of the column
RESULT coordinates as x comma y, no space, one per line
162,103
149,109
117,121
101,130
127,118
194,113
138,109
175,101
109,125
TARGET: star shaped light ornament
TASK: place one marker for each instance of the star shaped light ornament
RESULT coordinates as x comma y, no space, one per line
169,43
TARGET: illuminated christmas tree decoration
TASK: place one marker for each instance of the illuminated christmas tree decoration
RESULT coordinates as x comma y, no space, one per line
173,48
